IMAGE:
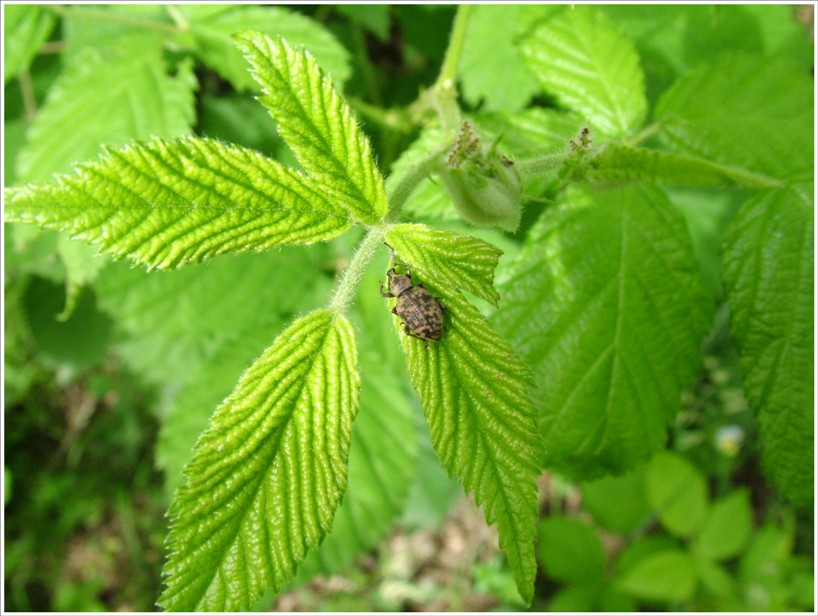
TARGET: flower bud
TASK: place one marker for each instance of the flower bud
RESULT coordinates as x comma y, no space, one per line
482,183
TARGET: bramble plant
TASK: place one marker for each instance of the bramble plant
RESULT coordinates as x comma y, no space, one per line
574,360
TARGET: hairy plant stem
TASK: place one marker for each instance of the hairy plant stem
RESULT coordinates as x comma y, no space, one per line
539,165
398,194
345,289
402,189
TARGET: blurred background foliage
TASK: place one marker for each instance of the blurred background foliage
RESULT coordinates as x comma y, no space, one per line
110,373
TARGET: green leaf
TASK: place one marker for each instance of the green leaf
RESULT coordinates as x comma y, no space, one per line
678,492
618,504
474,394
448,260
715,578
191,397
211,32
178,321
101,99
769,263
384,444
373,17
165,205
381,466
317,124
743,110
591,67
491,66
726,527
582,596
81,268
25,29
663,576
268,474
607,305
570,550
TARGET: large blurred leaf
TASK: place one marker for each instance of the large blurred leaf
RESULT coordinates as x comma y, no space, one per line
100,99
591,67
177,322
769,265
743,110
606,303
25,29
491,66
211,29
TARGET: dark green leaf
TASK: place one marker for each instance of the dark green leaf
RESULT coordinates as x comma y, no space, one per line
606,303
570,550
768,274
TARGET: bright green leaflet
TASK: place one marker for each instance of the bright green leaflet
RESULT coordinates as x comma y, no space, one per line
677,491
448,260
669,575
268,473
99,98
475,396
317,124
164,205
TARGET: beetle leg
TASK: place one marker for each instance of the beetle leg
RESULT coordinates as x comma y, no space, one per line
395,309
385,293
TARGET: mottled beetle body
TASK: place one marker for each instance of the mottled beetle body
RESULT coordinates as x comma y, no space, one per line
419,310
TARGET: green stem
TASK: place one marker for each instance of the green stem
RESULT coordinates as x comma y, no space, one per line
643,135
443,94
345,290
113,17
405,186
393,119
539,165
398,195
448,72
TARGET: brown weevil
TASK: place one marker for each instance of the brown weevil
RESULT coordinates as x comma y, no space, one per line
419,310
